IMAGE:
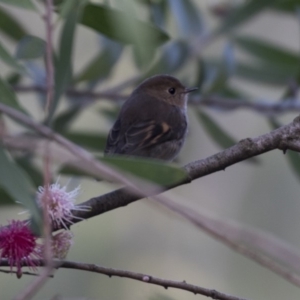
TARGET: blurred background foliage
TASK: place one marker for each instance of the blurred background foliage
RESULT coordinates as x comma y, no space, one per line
243,55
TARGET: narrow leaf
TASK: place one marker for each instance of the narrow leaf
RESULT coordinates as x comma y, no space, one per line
93,141
10,26
154,171
7,58
266,73
63,120
30,47
172,57
101,66
219,136
19,186
242,14
187,17
121,27
63,71
20,3
5,198
8,96
288,6
266,51
33,172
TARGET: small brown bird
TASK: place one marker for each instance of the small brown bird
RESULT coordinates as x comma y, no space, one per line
152,122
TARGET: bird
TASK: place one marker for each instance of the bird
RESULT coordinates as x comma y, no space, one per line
152,122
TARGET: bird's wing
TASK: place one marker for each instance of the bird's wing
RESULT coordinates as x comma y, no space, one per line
140,135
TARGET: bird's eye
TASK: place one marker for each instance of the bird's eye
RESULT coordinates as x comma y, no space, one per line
172,91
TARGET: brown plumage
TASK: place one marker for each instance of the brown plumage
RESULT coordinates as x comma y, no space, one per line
152,122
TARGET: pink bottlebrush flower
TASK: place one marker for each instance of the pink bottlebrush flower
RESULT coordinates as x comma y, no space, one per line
18,245
59,203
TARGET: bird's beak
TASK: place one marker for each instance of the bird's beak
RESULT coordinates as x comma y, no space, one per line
188,90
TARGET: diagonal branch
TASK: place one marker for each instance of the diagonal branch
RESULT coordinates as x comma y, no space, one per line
166,283
281,138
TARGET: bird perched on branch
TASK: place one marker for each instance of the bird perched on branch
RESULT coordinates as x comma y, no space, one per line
153,121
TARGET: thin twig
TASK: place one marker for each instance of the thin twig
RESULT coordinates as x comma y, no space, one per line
23,273
33,288
165,283
217,102
49,54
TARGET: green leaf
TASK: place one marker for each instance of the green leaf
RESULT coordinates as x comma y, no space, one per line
101,66
218,135
7,58
63,66
153,171
10,26
122,27
172,57
19,186
5,198
8,96
30,47
243,14
13,78
288,6
187,17
267,52
20,3
217,85
266,73
28,166
150,170
63,120
93,141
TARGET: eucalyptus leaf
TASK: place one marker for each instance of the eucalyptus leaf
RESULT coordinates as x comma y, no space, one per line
20,3
18,185
268,52
8,96
101,66
218,135
10,26
93,141
266,73
121,27
33,172
30,47
157,172
158,11
288,6
242,14
187,17
9,60
5,198
172,57
63,64
63,120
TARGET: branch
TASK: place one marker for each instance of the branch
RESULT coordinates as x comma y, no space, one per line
224,103
281,138
182,285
